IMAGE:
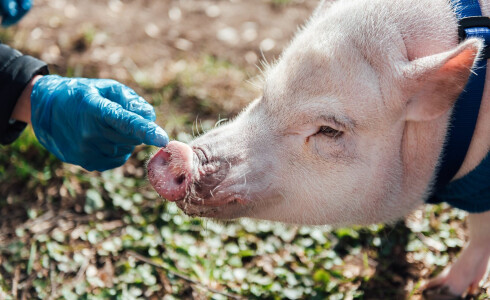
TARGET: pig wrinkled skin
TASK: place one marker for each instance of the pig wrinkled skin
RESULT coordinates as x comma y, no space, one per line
348,130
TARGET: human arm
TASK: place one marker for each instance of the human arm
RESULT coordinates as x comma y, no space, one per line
22,109
16,72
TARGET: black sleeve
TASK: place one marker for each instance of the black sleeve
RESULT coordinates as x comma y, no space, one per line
16,70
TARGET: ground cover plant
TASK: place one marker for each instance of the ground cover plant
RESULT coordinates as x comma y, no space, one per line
70,234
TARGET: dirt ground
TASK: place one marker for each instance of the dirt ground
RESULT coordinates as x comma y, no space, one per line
124,39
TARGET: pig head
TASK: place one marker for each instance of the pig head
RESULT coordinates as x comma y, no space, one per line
349,127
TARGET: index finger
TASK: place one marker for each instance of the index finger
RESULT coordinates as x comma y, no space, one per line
126,97
133,125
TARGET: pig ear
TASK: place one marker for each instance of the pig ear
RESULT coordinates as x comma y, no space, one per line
435,81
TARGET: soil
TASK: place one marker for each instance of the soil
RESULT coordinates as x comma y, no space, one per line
116,37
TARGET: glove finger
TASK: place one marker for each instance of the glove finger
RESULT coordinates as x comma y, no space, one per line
9,21
127,98
13,11
124,150
108,164
117,162
102,154
131,125
109,149
115,137
25,5
9,8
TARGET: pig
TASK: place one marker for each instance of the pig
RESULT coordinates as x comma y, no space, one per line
349,128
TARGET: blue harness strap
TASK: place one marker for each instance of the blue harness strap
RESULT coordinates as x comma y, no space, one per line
465,111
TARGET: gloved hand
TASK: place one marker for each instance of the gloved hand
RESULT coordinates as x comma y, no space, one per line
13,10
94,123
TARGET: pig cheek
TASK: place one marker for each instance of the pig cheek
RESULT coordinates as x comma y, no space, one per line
332,192
382,185
333,150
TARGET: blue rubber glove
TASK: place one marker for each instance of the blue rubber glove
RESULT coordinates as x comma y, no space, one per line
94,123
13,10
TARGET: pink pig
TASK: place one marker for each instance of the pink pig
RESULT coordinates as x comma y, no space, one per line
349,129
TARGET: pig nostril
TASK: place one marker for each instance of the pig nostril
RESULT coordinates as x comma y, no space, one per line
179,180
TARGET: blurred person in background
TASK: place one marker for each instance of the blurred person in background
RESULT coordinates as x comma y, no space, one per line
93,123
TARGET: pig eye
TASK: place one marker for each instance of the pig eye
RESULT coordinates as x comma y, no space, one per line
330,132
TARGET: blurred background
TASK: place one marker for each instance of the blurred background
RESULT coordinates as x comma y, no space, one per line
70,234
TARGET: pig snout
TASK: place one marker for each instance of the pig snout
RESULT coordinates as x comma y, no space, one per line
170,171
200,180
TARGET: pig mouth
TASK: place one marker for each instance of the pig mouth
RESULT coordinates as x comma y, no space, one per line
211,208
207,186
193,198
193,180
